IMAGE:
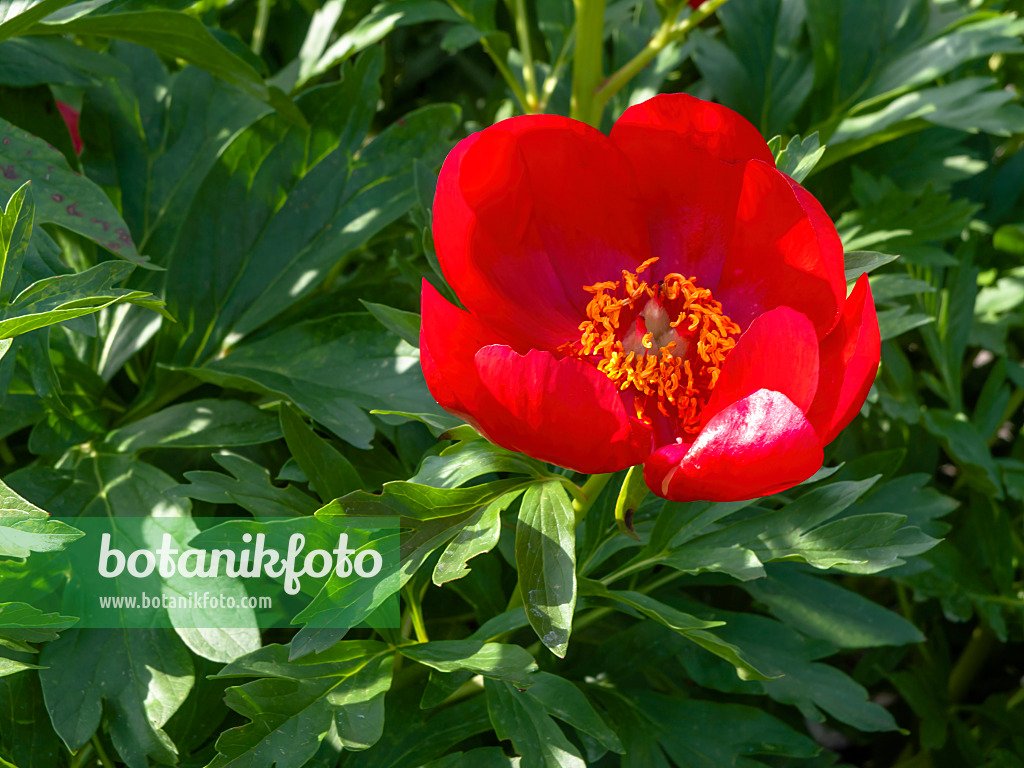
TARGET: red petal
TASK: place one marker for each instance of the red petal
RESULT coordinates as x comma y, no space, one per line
529,211
849,362
563,411
784,252
759,445
71,116
449,339
688,158
779,351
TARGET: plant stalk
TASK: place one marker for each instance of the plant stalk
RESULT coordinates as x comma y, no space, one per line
667,33
591,490
973,658
587,58
529,74
259,32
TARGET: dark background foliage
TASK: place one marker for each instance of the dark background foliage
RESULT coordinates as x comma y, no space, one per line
212,311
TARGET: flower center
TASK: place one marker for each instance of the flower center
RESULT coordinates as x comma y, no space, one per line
665,343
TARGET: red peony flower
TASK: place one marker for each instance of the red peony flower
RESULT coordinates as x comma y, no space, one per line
70,115
663,295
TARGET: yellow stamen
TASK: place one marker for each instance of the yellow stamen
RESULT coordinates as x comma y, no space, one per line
678,385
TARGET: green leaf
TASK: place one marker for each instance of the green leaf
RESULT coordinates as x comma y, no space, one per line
346,604
142,675
910,222
526,722
896,322
334,369
690,732
735,560
885,288
18,15
21,701
799,679
423,502
970,104
824,609
546,561
294,704
1009,238
249,487
329,473
311,198
967,448
24,528
860,544
66,297
15,232
563,699
479,535
21,623
13,667
482,757
61,196
110,485
688,626
373,27
411,741
198,424
799,157
925,63
405,325
860,262
494,660
472,458
179,36
762,71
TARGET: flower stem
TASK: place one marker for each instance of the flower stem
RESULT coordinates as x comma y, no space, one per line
506,73
551,81
416,614
499,63
667,33
259,32
587,58
82,756
529,75
973,658
101,753
591,490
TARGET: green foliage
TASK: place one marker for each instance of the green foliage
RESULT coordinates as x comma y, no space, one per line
212,311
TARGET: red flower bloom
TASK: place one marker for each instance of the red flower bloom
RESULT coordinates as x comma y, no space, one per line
663,295
70,115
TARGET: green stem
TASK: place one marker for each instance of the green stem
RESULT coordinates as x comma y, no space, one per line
506,73
101,753
587,58
529,75
667,33
551,81
416,613
259,32
591,490
81,756
499,63
973,658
